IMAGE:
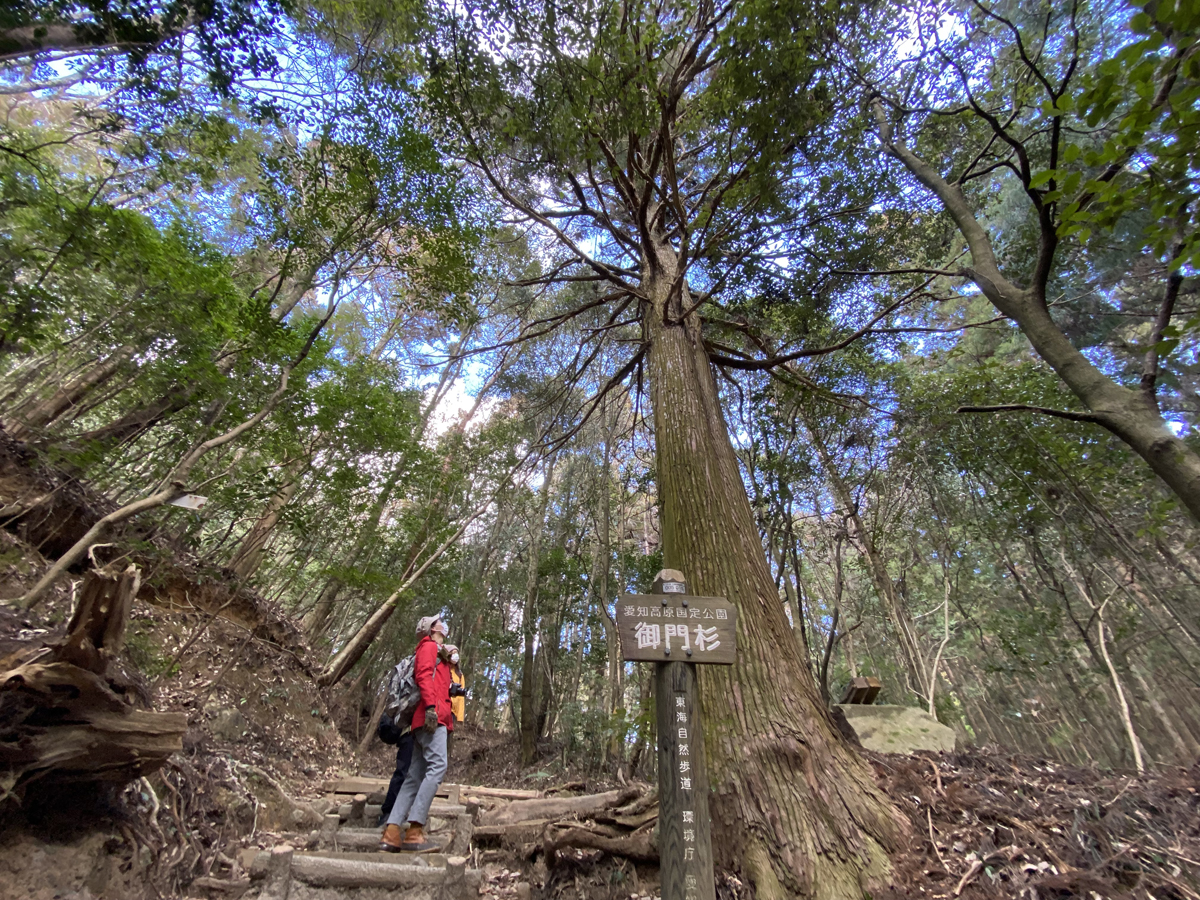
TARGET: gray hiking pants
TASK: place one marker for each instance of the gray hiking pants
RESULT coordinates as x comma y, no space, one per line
425,773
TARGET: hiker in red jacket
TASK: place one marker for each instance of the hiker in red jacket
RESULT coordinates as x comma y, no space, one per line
432,722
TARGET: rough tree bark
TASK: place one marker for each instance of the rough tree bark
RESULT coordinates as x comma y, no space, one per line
794,806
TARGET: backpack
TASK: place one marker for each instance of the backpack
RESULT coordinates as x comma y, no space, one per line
389,732
403,695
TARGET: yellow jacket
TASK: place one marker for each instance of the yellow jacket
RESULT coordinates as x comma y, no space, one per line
458,705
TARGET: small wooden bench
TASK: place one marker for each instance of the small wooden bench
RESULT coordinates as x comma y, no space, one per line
862,691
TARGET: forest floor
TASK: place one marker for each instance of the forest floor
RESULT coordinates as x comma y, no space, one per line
262,741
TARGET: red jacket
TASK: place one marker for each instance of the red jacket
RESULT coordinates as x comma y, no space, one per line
433,680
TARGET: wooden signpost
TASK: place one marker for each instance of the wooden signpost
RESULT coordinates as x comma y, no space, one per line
676,631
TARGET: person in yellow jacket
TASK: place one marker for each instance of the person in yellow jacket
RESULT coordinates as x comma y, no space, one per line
458,689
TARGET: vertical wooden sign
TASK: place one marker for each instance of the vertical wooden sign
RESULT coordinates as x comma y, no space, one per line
684,837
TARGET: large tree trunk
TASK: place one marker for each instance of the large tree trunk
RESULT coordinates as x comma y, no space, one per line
794,806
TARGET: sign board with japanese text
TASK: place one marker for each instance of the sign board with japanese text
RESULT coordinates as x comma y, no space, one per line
674,627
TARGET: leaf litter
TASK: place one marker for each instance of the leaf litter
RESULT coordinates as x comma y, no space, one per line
991,824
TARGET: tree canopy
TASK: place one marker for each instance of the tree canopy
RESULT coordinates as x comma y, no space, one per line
878,320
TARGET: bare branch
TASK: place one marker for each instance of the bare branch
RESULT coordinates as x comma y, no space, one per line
1021,407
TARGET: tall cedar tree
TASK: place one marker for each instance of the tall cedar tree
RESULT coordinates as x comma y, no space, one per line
654,145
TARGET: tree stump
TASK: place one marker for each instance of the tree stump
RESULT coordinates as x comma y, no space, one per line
66,711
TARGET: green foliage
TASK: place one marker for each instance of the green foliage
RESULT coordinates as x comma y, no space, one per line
145,41
193,244
145,653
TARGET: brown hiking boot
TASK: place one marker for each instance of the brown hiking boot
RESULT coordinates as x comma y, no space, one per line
414,840
390,842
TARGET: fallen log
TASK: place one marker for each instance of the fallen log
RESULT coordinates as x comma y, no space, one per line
226,888
66,710
568,786
471,790
647,800
353,873
556,807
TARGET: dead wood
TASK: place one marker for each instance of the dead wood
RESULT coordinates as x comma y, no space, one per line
471,790
222,887
1051,836
636,822
319,871
639,846
66,713
566,786
64,511
553,808
509,836
648,799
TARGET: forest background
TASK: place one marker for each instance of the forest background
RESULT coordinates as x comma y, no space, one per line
384,282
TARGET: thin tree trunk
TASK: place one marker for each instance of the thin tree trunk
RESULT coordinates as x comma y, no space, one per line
354,648
246,559
317,619
376,714
28,421
1185,753
614,699
637,759
1134,743
174,484
529,616
848,648
906,638
1119,690
937,660
1131,415
834,619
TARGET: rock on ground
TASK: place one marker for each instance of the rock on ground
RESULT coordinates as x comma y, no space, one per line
897,729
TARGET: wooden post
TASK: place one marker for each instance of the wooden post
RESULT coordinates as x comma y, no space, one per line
684,840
